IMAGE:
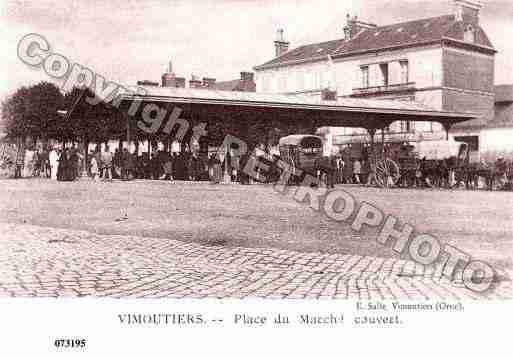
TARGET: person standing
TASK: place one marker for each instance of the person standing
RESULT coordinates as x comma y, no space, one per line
74,162
80,163
53,158
154,167
210,165
139,167
117,164
65,168
28,168
95,169
348,170
145,165
243,176
98,156
194,167
168,167
45,163
20,160
217,171
107,164
371,178
37,163
357,171
127,164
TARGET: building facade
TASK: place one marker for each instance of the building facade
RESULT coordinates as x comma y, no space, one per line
445,62
496,139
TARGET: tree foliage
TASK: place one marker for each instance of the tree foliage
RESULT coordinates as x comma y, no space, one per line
84,121
43,112
32,111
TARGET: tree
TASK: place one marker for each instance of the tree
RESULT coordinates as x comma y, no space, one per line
86,123
42,103
13,113
32,111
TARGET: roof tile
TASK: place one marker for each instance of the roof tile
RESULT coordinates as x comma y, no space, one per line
406,33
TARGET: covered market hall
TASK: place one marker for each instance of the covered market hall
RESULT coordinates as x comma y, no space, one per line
155,109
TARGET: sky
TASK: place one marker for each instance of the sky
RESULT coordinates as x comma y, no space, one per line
128,40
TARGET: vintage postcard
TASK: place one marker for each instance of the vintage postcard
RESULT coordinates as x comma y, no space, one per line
240,178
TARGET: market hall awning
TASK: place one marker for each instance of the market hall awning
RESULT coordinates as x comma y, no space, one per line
344,112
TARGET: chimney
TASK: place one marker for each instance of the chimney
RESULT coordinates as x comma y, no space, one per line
180,82
247,76
209,82
247,82
281,46
467,11
168,80
354,27
194,82
147,83
328,95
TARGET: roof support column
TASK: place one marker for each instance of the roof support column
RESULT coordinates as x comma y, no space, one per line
382,141
127,117
371,131
447,126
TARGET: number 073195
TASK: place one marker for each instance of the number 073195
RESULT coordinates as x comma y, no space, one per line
69,343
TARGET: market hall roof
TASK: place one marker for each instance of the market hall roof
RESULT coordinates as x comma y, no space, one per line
406,34
351,112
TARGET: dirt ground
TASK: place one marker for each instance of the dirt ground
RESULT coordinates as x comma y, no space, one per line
477,222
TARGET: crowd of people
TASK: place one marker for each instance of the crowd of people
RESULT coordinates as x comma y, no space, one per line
62,165
68,164
351,170
103,164
159,165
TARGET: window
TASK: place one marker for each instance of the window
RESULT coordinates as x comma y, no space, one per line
273,84
328,79
396,126
384,74
469,34
308,80
321,79
365,76
300,81
266,83
404,72
407,126
472,141
281,83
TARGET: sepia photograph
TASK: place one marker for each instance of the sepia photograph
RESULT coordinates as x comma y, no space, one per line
290,152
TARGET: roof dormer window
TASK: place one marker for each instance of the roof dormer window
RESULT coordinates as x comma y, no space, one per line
469,34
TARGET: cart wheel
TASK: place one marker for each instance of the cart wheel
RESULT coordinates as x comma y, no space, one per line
387,173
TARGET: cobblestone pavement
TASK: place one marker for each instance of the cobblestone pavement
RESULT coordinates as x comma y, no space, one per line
50,262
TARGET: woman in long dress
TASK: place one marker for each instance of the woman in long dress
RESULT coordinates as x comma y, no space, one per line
54,163
95,170
217,171
65,171
29,163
